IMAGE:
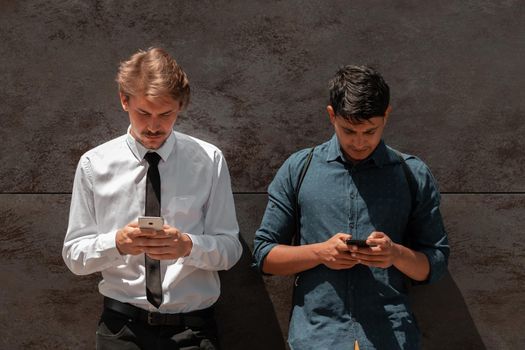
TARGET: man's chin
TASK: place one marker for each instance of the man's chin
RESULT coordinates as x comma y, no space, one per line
358,156
361,156
152,143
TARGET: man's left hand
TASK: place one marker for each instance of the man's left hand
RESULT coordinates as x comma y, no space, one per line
382,252
167,244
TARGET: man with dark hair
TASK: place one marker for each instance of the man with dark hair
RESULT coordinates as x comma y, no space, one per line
365,219
159,285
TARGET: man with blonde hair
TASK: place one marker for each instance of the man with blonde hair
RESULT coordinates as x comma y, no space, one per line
160,283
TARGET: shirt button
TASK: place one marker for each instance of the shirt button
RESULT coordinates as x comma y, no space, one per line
351,225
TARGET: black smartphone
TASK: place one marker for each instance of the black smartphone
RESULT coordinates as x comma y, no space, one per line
361,243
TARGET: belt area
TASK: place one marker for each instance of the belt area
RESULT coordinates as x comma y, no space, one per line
190,319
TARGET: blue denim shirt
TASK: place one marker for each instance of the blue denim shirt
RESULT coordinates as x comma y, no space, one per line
333,308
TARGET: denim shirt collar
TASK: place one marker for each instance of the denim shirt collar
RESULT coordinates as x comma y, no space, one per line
378,157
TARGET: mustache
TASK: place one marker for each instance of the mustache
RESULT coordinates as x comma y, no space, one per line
153,134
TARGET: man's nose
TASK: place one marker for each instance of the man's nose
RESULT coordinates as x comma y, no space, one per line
154,124
359,142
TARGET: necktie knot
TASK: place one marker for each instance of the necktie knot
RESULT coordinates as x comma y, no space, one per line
153,158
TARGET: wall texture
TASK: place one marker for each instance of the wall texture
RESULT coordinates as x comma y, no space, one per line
258,71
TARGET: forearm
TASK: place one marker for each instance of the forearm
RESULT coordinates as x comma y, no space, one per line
214,252
289,260
412,263
91,254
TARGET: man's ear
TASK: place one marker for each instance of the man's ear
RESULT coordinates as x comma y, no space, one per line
387,114
331,113
124,100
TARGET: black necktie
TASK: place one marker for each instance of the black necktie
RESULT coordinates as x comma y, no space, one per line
153,281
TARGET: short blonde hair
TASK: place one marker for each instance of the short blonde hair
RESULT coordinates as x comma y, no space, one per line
154,74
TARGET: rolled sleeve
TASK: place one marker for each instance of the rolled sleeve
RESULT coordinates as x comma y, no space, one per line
428,234
278,224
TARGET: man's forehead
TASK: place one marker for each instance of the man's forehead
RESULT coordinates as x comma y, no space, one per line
370,123
165,102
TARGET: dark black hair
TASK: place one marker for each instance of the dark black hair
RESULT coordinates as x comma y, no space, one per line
358,93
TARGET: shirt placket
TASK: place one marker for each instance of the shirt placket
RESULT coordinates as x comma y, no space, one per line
352,195
352,229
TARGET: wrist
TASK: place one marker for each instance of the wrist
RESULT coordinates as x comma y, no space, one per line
188,244
397,254
118,238
317,252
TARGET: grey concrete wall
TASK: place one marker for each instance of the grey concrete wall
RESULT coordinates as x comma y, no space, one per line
258,71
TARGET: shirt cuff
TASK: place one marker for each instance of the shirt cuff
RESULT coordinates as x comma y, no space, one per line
436,261
261,254
196,251
107,246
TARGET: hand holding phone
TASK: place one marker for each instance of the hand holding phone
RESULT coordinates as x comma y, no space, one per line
128,239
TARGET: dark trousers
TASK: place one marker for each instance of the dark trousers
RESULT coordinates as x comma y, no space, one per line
117,331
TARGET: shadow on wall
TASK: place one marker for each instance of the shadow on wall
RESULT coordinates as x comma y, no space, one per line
443,317
251,321
245,314
250,311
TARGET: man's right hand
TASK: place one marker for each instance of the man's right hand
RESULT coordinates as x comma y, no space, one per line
289,260
335,253
130,239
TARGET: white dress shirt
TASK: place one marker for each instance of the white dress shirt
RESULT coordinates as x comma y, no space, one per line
109,192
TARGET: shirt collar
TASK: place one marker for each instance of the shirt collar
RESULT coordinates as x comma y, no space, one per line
334,150
139,151
378,156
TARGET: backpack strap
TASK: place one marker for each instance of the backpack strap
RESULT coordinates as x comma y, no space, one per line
412,183
297,237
